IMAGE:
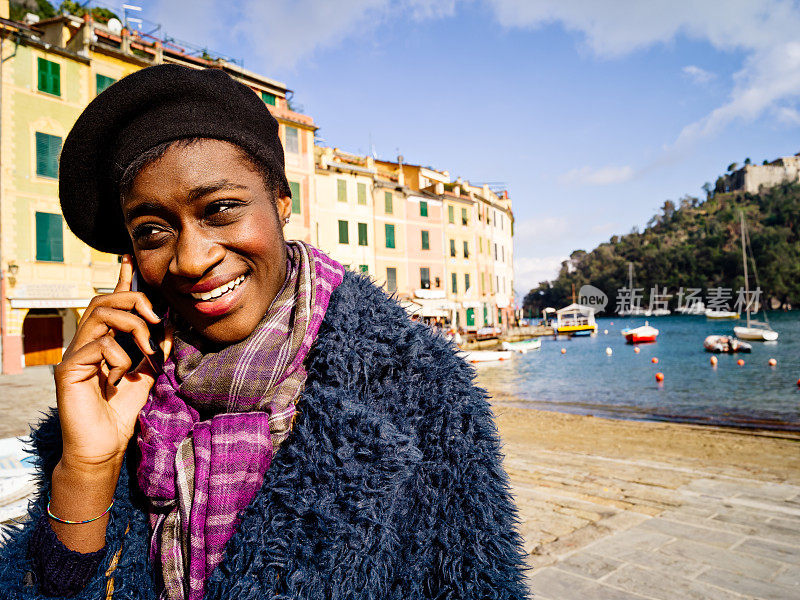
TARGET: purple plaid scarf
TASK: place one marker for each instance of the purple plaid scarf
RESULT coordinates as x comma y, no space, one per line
199,473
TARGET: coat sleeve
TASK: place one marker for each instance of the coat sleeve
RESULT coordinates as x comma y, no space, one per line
21,570
462,525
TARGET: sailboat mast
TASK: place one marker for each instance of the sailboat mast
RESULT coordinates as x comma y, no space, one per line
744,262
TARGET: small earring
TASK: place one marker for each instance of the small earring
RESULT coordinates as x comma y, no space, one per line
286,220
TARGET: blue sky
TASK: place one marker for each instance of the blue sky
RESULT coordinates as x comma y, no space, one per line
593,113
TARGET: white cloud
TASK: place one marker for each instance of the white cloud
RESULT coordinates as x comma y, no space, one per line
698,74
765,31
279,33
597,176
541,229
530,271
788,115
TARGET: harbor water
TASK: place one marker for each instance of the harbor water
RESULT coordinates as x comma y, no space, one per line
586,380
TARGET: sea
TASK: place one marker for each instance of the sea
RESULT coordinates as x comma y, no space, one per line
586,380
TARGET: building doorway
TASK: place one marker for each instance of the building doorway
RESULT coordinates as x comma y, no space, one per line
42,337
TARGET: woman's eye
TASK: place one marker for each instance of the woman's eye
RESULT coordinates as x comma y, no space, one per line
147,235
222,208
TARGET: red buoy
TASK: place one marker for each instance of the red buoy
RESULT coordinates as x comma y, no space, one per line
772,362
713,361
636,349
659,377
654,360
740,362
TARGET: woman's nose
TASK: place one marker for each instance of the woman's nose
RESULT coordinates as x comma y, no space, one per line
195,254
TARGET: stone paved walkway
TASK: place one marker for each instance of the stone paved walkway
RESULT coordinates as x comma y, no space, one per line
599,528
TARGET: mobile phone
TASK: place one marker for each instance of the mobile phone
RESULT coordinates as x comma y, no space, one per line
156,331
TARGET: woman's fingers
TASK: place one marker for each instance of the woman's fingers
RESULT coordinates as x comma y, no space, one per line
129,301
105,319
86,362
125,274
131,394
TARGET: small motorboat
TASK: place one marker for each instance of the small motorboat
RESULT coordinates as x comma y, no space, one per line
756,333
482,356
522,346
721,314
725,344
640,335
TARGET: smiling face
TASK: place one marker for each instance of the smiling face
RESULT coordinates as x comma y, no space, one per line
207,234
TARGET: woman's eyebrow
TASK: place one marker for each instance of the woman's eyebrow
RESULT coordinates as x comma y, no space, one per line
212,187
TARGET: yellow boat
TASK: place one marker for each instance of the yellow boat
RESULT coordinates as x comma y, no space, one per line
576,320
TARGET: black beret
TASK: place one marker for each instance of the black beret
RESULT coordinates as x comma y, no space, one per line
147,108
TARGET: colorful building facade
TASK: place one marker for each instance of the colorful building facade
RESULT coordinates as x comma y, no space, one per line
50,71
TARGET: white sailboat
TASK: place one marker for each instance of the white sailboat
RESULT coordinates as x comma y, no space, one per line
755,330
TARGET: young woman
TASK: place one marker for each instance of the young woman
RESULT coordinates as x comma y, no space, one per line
288,432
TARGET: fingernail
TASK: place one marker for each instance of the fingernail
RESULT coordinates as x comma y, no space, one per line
153,346
116,383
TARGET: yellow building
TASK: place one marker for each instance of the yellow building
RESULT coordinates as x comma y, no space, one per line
50,71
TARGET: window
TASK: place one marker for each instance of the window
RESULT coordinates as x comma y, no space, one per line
480,245
425,278
363,268
292,140
48,148
341,190
49,77
49,237
466,249
454,283
389,235
470,317
464,220
426,242
362,193
297,201
495,251
503,253
438,282
450,217
391,279
452,247
466,282
268,98
387,199
483,282
362,234
344,234
102,82
423,208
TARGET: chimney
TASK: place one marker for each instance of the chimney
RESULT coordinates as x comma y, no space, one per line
125,46
159,48
439,188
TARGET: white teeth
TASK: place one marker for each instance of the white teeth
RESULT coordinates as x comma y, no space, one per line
217,292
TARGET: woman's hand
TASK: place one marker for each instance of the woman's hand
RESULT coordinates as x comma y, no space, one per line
99,397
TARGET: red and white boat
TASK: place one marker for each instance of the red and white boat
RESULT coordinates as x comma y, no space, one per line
640,335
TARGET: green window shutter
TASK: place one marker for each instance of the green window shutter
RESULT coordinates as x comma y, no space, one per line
387,198
48,147
391,279
454,282
466,249
466,282
292,140
464,219
341,190
452,247
49,76
362,193
297,201
49,237
470,317
450,216
423,208
389,235
344,234
362,234
363,268
425,278
102,82
268,98
426,242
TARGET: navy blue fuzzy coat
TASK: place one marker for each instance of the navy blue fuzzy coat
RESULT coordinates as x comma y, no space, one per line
390,487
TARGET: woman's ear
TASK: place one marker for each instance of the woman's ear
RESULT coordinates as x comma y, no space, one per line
284,207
